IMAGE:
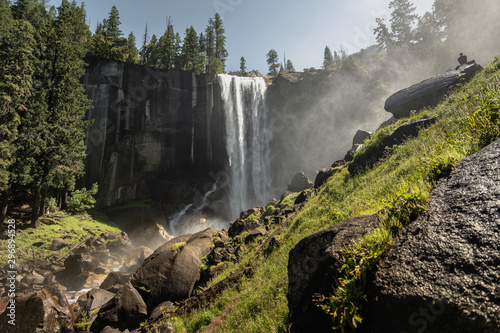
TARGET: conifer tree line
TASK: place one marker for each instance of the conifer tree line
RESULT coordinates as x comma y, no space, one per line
42,102
200,53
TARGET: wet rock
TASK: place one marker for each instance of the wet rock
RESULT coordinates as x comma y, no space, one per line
256,233
77,264
160,310
239,226
313,264
302,197
323,176
115,278
46,310
58,244
360,137
299,183
245,214
87,305
171,275
428,91
441,274
126,310
400,135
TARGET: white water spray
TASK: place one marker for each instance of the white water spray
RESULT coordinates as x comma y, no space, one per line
247,141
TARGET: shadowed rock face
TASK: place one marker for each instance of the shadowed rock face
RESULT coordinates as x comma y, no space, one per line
442,274
155,134
314,264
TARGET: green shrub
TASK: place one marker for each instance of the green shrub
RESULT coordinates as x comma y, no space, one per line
81,200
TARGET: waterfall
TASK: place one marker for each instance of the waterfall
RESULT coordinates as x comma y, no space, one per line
247,141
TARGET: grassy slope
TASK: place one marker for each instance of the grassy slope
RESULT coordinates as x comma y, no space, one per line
75,228
469,120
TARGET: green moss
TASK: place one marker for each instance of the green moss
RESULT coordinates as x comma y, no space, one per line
288,201
178,246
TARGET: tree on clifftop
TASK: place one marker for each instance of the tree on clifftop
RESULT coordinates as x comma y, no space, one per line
328,58
273,62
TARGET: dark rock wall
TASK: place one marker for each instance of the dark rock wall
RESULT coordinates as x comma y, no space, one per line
156,134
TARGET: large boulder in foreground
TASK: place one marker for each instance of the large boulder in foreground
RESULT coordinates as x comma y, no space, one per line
126,310
44,311
314,265
442,274
428,91
171,272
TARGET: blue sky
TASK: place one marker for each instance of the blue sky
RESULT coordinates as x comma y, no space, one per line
302,29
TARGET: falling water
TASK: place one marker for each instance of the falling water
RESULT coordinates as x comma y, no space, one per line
247,140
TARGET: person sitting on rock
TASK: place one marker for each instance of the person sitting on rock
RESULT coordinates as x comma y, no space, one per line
462,60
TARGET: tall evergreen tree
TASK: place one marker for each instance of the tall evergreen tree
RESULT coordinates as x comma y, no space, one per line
113,24
152,52
273,62
403,21
17,61
243,67
216,52
145,40
133,53
289,66
328,58
167,47
190,55
59,150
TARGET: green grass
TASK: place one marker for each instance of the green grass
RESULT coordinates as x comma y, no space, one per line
469,120
76,229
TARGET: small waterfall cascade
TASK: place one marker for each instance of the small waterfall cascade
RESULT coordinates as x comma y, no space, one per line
247,141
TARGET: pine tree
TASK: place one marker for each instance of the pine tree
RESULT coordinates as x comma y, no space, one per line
243,67
216,52
113,24
167,47
17,61
59,151
190,55
382,34
133,53
328,58
273,62
403,20
289,66
152,53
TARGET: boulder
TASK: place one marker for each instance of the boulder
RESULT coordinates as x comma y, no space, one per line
58,244
239,226
88,304
77,264
160,310
171,275
360,137
299,183
46,311
126,310
247,213
441,275
322,177
400,135
429,91
256,233
115,278
314,264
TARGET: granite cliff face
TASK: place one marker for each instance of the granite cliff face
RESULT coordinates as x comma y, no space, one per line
156,134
